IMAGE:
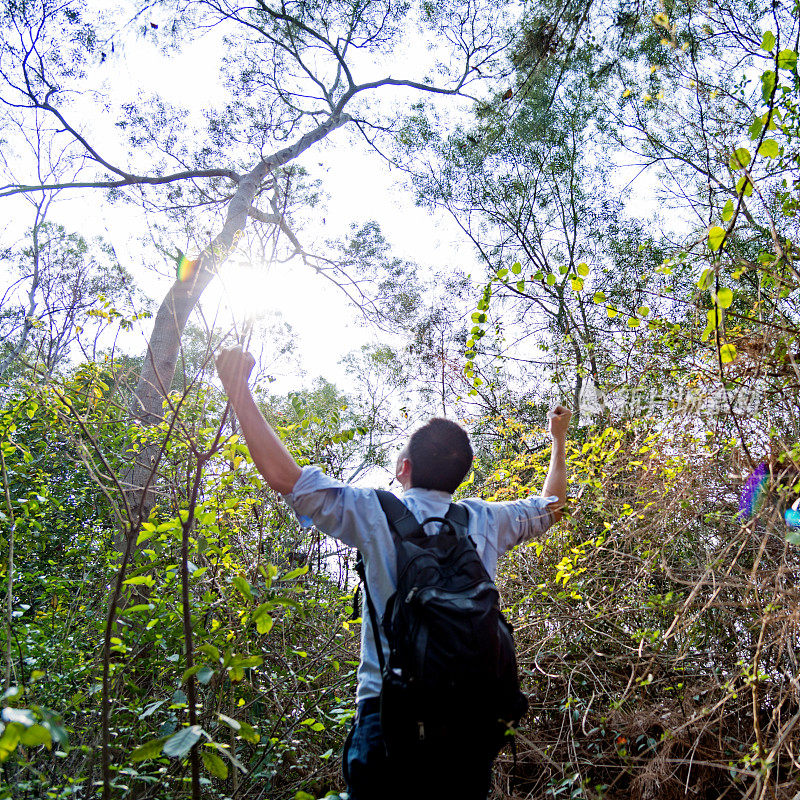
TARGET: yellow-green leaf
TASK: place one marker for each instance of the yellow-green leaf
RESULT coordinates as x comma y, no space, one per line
768,41
715,237
612,312
576,284
214,764
706,279
769,149
787,59
599,297
36,735
633,322
583,269
727,353
139,580
727,211
724,298
551,279
739,158
516,268
743,185
151,749
643,311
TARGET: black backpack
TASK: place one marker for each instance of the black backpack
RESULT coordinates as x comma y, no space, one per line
450,682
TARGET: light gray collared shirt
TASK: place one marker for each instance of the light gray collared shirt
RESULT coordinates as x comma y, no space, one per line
353,516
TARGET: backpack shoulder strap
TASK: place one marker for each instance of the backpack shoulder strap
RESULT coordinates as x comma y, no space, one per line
400,519
459,516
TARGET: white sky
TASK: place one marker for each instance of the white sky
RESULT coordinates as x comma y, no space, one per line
359,185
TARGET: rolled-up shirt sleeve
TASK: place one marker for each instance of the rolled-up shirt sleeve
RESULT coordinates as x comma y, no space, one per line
332,506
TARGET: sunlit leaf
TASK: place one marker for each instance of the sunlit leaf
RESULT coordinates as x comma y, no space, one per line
715,238
599,297
583,269
151,749
768,41
743,185
36,735
724,298
787,59
214,765
727,211
769,149
739,158
727,353
767,85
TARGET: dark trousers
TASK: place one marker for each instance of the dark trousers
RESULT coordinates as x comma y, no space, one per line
372,775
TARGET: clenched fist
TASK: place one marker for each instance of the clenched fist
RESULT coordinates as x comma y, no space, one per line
558,422
234,366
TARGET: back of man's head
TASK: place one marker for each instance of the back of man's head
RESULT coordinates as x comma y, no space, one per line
440,455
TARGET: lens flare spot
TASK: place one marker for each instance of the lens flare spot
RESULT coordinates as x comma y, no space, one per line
187,268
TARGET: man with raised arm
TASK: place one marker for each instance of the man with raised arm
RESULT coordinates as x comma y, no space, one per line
430,467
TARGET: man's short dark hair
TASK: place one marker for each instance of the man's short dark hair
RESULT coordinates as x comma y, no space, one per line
440,455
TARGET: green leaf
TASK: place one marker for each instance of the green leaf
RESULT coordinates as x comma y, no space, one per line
180,743
787,59
599,297
744,185
36,735
501,273
230,721
793,537
724,298
767,85
10,739
151,749
521,286
205,674
643,311
633,322
249,733
210,651
715,237
769,149
583,269
727,211
739,158
755,128
243,586
295,573
516,268
551,279
706,279
187,673
146,580
214,765
727,353
768,41
262,618
611,311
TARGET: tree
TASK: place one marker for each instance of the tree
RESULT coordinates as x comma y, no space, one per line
306,84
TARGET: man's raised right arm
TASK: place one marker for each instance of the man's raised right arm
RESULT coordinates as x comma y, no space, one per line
268,452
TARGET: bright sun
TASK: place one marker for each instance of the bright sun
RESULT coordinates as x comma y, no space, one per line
245,291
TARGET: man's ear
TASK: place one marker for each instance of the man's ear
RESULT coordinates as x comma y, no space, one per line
404,471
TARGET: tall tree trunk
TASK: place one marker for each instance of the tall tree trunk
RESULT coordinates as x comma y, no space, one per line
161,357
